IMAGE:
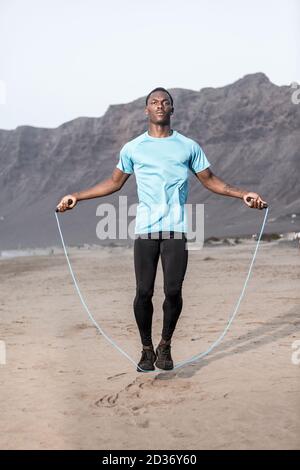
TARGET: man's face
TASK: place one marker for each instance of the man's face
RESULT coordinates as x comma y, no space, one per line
159,107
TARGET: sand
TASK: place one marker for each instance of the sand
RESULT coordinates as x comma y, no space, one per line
64,387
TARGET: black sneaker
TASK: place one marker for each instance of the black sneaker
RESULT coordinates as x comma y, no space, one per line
164,359
147,360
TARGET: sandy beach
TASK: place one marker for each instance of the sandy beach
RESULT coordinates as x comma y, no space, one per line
64,387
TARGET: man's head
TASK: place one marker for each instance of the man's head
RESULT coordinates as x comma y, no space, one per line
159,106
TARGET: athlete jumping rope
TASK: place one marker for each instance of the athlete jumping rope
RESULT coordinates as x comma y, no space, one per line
161,159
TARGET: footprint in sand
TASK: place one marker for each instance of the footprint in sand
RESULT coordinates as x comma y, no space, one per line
140,395
115,377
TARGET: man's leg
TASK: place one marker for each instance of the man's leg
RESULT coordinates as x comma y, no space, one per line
174,258
146,256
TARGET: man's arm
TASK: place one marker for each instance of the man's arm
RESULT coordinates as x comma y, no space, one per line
106,187
215,184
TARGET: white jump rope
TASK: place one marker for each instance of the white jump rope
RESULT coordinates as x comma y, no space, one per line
193,358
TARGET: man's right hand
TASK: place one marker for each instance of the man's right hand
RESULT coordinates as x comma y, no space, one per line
64,205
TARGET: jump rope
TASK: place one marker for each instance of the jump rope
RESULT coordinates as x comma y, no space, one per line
191,359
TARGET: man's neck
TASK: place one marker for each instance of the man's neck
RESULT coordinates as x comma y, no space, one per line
156,130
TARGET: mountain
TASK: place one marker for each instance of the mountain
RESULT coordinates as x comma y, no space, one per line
249,131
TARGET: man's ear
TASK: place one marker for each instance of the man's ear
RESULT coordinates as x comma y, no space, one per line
172,111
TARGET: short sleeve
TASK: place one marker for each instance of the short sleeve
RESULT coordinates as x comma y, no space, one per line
125,163
198,161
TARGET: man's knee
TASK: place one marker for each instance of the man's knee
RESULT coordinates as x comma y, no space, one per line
173,291
143,293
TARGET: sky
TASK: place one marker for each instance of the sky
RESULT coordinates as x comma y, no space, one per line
61,59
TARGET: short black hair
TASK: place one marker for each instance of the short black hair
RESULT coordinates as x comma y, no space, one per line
159,89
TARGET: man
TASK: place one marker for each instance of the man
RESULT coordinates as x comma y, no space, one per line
161,159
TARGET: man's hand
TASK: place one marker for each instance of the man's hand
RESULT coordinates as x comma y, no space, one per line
64,205
254,201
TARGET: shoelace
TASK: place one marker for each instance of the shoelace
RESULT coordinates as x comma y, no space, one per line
165,350
147,354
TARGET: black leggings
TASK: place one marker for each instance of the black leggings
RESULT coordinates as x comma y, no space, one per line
174,257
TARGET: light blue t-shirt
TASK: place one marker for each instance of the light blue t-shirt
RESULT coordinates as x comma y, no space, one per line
161,167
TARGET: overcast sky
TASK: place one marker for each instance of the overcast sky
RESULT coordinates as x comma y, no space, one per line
60,59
